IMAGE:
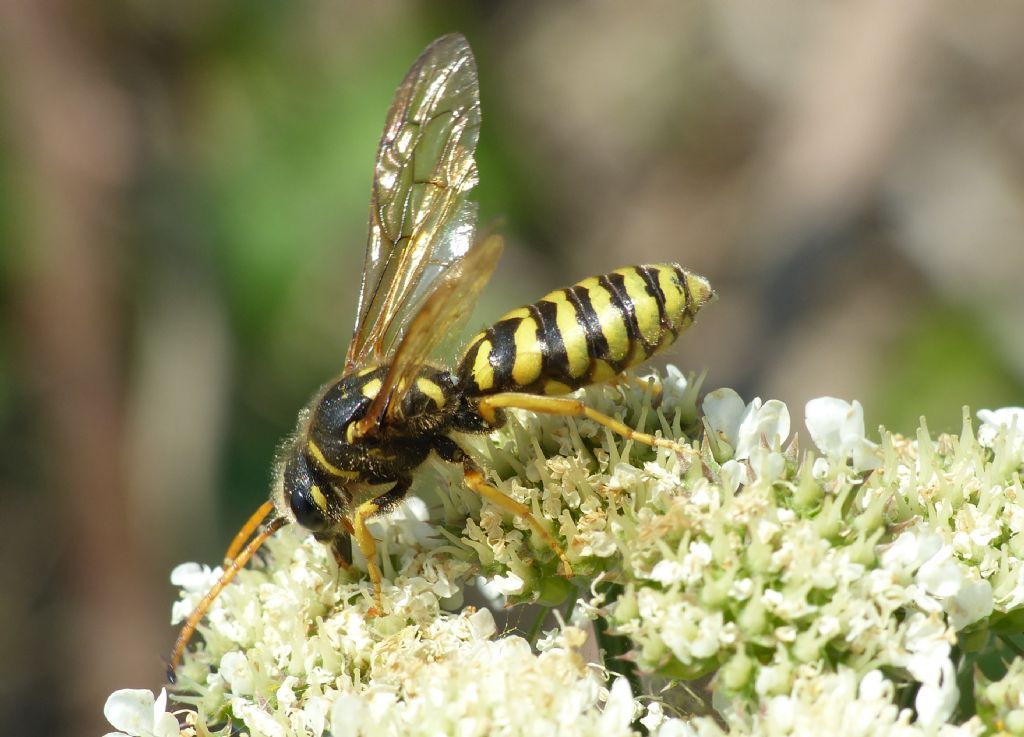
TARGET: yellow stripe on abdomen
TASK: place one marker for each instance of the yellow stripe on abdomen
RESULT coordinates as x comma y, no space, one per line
480,364
610,319
529,353
646,306
573,360
585,334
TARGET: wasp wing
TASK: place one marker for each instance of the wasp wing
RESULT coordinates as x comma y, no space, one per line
448,305
421,222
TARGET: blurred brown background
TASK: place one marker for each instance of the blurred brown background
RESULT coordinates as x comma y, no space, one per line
183,193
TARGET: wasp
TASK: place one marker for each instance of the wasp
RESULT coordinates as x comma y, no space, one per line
368,430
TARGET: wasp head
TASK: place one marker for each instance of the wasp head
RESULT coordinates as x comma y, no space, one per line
311,498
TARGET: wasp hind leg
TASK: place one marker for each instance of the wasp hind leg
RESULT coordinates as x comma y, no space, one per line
490,408
473,477
627,379
367,543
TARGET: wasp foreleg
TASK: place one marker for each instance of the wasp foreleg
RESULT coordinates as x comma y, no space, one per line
367,543
341,549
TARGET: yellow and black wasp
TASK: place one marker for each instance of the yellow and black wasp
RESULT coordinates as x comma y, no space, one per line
366,432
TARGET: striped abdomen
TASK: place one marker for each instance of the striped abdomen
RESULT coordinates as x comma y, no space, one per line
585,334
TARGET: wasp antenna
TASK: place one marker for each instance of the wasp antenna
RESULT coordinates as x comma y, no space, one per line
237,564
248,529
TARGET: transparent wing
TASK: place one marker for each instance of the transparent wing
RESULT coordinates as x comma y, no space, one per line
421,222
448,305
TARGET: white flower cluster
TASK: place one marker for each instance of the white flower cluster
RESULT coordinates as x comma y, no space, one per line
289,650
839,703
768,564
559,467
797,577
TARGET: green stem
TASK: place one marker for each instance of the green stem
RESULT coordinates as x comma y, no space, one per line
570,608
1011,645
531,636
616,648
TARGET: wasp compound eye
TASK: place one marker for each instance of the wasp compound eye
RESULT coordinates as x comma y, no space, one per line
306,499
310,508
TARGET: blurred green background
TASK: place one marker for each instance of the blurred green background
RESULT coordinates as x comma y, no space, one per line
183,196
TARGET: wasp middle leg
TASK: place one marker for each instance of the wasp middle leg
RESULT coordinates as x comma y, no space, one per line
474,479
